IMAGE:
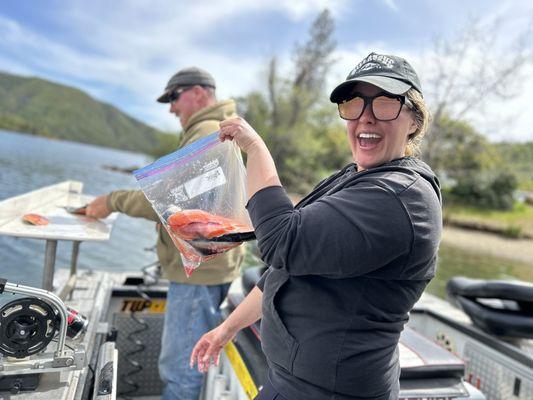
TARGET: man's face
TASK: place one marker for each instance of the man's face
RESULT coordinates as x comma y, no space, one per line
186,104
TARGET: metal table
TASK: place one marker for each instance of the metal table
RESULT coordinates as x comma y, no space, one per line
49,202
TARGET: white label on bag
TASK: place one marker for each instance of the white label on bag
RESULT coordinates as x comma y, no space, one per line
205,182
178,194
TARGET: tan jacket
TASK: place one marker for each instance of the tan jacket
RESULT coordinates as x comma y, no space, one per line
222,269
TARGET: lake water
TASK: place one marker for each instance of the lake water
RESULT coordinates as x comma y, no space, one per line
30,162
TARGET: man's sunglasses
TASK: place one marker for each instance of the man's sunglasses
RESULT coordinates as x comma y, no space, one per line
175,95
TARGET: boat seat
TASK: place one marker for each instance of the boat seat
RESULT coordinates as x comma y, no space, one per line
251,276
502,308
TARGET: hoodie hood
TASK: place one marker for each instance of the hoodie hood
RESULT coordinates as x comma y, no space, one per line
211,115
412,164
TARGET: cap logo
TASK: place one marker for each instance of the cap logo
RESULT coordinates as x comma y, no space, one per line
374,61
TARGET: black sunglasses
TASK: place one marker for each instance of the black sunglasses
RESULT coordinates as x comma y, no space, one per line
384,106
175,95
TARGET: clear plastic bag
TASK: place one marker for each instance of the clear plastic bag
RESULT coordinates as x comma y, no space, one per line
199,193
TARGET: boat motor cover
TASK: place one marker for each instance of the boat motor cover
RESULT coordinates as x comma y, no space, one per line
511,321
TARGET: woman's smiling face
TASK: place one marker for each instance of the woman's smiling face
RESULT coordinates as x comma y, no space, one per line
375,142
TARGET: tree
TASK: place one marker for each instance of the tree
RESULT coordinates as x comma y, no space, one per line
463,151
312,62
471,169
469,74
492,190
518,157
299,126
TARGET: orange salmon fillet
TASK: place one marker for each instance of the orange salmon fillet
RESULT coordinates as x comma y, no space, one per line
35,219
194,224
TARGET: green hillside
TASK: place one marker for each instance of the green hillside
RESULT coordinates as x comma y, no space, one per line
43,108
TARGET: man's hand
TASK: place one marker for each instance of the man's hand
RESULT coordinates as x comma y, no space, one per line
98,208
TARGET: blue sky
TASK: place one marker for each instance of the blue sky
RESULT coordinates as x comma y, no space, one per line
123,52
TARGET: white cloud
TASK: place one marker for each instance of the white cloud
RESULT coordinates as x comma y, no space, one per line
391,4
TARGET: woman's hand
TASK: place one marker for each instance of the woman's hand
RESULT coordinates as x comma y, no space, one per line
209,347
239,130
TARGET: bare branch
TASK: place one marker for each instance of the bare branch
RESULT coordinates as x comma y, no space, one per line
470,73
272,92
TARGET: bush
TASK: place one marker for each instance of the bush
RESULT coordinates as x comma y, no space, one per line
513,231
493,191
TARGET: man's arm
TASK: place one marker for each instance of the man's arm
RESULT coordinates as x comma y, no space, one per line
98,208
130,202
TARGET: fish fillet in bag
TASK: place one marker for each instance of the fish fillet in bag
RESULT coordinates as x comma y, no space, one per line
199,193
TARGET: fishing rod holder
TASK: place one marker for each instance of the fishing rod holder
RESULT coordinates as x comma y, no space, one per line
38,359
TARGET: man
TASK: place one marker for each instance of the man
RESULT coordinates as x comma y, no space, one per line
192,303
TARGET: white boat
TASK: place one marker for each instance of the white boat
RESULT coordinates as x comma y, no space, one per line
443,354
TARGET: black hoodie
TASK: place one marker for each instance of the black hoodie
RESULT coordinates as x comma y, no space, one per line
347,264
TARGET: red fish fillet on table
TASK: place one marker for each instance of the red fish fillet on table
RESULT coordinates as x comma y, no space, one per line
35,219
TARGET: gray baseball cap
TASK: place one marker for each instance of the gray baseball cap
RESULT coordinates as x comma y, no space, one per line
390,73
187,77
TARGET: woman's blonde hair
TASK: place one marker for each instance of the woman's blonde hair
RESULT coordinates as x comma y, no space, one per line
422,118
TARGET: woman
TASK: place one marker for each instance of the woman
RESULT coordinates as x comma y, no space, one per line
350,260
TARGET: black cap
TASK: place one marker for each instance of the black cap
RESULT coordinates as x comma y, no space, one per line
390,73
187,77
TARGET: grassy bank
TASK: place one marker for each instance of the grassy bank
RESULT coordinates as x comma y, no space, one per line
515,223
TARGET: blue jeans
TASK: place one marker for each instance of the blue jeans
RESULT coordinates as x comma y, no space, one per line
191,311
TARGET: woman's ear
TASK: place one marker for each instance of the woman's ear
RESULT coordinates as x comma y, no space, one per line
413,126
